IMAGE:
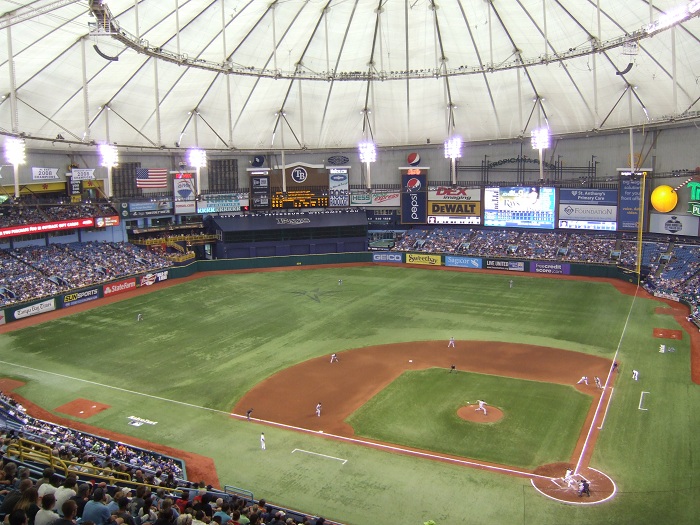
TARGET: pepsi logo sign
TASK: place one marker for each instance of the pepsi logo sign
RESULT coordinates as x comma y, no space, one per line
413,185
413,159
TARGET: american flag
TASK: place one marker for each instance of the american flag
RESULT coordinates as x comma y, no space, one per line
151,177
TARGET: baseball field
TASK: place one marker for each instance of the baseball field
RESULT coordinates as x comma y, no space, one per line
399,439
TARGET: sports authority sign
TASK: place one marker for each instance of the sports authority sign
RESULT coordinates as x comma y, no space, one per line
414,196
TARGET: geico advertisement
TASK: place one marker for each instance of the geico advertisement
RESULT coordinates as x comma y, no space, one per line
422,258
387,257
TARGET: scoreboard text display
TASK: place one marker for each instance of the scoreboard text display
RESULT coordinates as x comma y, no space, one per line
306,185
300,199
519,207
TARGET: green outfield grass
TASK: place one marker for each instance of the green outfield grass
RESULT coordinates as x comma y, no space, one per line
541,421
204,343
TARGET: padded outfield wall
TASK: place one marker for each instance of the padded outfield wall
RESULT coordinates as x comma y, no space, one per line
83,295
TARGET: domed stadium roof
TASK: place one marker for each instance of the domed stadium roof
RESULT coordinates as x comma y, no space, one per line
297,74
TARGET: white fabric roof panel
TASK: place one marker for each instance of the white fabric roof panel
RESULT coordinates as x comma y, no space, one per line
421,69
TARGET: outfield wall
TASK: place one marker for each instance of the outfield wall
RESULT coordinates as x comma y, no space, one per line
91,293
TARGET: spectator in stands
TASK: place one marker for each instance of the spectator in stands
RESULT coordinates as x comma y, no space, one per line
124,513
69,510
46,515
66,491
29,503
46,475
224,513
51,487
81,498
148,512
14,496
10,471
17,517
96,510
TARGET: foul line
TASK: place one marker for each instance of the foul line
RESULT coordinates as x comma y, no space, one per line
382,446
115,388
607,382
344,461
641,400
605,414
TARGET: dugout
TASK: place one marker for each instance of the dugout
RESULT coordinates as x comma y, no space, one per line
282,233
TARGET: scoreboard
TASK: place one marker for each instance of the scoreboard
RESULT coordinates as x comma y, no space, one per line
299,199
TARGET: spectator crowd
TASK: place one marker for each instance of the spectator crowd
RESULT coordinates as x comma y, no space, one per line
153,492
33,272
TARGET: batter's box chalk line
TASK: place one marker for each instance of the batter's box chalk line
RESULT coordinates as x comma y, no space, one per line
578,502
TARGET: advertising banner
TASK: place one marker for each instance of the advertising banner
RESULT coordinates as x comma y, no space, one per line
2,317
44,227
550,267
511,266
82,174
184,192
463,262
119,287
146,209
674,224
339,187
222,203
414,198
103,222
375,199
445,193
588,196
83,296
44,173
152,278
259,192
35,309
465,209
585,212
387,257
630,193
423,258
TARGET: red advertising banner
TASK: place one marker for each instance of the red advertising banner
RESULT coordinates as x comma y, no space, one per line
119,287
29,229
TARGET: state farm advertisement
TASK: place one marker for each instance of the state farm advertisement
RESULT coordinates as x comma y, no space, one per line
119,287
30,229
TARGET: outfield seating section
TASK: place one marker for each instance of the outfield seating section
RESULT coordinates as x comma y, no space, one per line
33,272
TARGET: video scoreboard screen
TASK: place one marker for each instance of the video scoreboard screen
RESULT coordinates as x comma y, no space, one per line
519,207
299,199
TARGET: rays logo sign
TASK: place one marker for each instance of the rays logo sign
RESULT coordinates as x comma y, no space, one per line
299,175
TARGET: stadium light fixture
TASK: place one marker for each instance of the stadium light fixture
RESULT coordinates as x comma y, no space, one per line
453,151
110,158
368,154
15,155
197,158
540,141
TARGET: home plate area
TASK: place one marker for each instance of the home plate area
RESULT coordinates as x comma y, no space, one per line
82,408
665,333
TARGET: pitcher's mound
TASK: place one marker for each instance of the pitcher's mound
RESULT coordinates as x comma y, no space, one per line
469,413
